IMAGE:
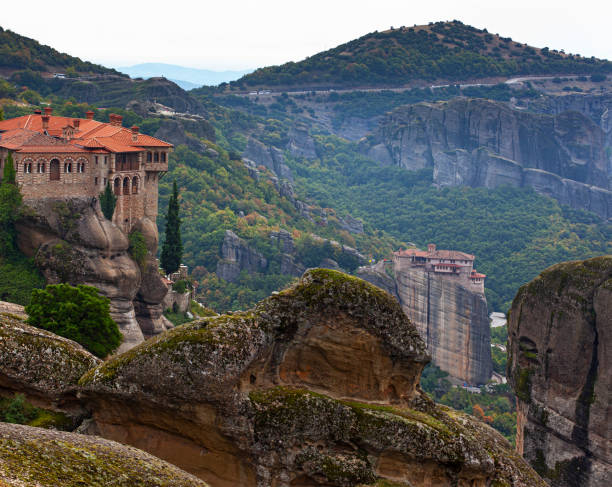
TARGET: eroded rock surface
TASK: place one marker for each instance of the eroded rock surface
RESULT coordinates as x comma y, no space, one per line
475,142
72,242
40,364
560,353
316,385
35,457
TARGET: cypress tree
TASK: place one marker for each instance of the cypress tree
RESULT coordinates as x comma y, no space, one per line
10,202
108,201
172,249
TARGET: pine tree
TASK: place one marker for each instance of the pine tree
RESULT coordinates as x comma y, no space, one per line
172,249
107,202
10,202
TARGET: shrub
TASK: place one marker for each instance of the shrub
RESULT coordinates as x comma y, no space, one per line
78,313
598,78
138,248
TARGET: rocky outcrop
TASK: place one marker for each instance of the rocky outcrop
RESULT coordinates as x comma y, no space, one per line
559,366
301,144
72,242
267,156
474,142
33,457
351,225
452,319
237,256
42,365
316,385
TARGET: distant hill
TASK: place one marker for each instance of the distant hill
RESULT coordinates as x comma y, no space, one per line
439,51
19,53
186,78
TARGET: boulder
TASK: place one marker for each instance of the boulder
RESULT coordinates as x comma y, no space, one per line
559,332
34,457
316,385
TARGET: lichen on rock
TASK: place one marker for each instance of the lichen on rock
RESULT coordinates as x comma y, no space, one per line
36,457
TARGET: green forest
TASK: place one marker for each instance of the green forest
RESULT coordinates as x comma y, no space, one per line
441,50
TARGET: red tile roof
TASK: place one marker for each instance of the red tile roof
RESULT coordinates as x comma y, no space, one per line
26,134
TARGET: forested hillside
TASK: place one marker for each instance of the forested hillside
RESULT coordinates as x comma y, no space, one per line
449,51
19,52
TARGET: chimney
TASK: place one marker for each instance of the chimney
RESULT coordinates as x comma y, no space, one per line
115,119
431,248
48,111
76,122
89,115
45,121
135,129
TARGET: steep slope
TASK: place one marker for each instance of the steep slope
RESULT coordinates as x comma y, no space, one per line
442,51
473,142
19,52
559,356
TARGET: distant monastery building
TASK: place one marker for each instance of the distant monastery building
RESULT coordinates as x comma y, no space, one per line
59,157
452,263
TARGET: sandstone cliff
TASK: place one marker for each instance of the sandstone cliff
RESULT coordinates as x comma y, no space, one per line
34,457
72,242
317,385
559,366
452,320
475,142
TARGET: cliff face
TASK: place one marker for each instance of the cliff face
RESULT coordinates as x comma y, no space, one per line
476,142
559,366
72,242
317,385
452,320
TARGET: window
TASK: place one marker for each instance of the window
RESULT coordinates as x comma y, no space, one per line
126,186
96,180
117,186
104,181
149,156
80,167
27,167
40,168
105,159
96,159
156,157
135,185
54,170
163,157
67,166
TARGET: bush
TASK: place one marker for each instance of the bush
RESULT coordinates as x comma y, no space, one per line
138,249
78,313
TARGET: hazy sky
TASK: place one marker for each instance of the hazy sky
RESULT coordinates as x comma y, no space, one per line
226,34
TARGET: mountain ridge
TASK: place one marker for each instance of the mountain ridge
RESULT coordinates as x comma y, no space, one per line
449,51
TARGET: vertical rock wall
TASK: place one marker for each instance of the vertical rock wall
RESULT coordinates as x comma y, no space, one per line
559,366
451,319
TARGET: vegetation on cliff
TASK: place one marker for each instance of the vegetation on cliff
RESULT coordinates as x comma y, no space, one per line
172,248
438,51
78,313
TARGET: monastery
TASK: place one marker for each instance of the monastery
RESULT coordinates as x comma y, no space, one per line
71,157
456,265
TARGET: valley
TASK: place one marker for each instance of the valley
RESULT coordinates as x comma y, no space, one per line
439,134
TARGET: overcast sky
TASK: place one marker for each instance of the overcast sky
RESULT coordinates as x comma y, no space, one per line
226,34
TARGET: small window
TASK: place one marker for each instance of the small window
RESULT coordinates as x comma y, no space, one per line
96,159
27,167
96,180
105,159
163,157
68,167
104,181
156,157
149,156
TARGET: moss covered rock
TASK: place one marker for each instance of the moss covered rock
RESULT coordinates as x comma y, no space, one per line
42,458
560,349
37,362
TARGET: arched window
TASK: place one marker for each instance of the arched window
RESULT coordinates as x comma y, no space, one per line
135,185
117,186
156,157
54,170
27,167
41,167
126,185
67,166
